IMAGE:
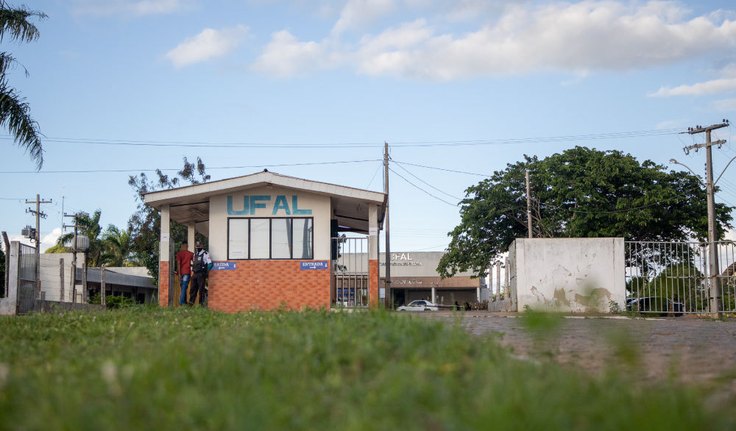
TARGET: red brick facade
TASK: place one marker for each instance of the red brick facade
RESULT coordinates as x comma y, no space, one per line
163,284
267,285
373,283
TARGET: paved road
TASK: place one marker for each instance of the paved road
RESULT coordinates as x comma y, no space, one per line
688,349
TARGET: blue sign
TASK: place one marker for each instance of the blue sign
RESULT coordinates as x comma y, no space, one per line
223,266
316,265
251,203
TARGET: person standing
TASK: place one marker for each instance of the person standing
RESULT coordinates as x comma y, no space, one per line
201,264
184,270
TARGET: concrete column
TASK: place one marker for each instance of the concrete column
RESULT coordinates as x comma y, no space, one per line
477,294
190,237
434,294
164,266
373,271
165,234
9,304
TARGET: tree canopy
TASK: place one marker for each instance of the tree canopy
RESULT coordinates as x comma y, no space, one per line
145,224
580,192
15,113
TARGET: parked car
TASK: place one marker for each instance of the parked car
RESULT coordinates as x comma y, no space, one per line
655,305
419,305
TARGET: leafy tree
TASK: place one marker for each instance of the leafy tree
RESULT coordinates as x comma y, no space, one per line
580,192
145,224
89,226
15,113
117,245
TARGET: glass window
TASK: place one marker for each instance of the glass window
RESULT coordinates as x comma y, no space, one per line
303,238
281,236
238,239
260,238
277,238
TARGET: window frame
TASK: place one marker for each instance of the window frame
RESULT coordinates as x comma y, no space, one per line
290,225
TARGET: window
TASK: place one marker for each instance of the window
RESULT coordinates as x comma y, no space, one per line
270,238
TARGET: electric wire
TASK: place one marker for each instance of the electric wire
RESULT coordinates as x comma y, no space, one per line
429,185
421,189
441,169
90,171
397,144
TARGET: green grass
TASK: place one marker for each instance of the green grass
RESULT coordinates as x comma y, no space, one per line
144,368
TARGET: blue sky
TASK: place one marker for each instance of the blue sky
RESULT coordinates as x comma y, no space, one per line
290,85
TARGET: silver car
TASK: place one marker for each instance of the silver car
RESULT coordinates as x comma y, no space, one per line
419,305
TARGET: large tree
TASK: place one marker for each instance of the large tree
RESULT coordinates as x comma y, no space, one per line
580,192
145,224
15,113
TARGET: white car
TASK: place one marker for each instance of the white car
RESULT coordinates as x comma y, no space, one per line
419,305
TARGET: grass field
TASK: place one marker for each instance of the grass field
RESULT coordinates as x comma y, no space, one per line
147,368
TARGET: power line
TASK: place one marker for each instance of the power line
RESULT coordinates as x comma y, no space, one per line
421,189
441,169
429,185
91,171
435,143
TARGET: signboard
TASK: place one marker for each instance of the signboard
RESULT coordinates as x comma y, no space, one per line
224,266
317,265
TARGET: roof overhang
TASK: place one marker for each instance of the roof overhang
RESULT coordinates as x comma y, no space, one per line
190,204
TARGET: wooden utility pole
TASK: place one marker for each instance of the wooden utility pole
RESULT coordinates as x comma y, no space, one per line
528,205
387,278
39,214
713,267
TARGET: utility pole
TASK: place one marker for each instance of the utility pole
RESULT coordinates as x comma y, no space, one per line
39,214
387,279
528,205
73,278
713,268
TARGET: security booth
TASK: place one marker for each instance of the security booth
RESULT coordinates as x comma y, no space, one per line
276,241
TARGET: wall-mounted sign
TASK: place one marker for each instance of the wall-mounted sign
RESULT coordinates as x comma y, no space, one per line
224,266
314,265
278,205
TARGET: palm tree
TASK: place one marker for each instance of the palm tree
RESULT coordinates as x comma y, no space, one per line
117,247
15,113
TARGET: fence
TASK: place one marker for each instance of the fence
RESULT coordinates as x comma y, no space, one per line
27,263
351,272
672,278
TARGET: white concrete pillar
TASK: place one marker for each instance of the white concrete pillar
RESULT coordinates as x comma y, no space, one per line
190,237
163,251
373,232
434,294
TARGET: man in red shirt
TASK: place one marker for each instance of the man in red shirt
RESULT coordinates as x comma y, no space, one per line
184,269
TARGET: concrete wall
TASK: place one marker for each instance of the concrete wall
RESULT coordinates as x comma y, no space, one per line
567,274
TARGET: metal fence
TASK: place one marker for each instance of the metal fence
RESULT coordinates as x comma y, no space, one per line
27,263
671,278
351,271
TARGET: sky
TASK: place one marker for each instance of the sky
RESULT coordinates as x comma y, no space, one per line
314,89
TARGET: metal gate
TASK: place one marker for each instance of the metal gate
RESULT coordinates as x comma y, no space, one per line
671,278
27,263
351,272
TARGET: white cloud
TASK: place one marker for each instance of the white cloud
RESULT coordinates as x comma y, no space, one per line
699,89
357,13
525,38
207,45
286,56
50,239
129,7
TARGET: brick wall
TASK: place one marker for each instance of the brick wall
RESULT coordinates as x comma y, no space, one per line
163,284
268,284
373,283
